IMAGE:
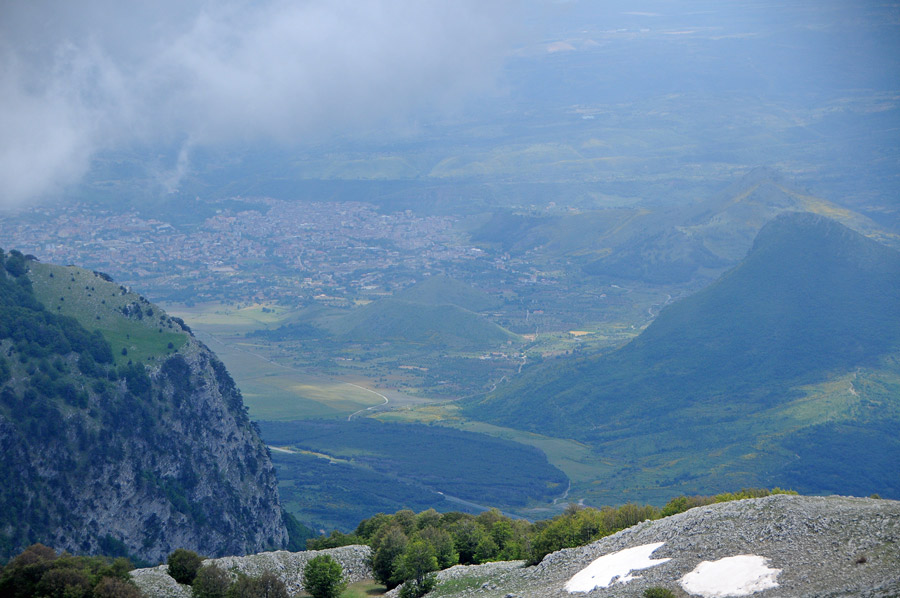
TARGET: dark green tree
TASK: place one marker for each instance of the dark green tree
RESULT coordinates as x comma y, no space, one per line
183,565
243,587
467,535
416,568
323,577
211,582
389,549
267,585
64,582
22,574
442,542
112,587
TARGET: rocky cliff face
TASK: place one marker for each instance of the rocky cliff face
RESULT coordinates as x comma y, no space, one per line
136,449
775,546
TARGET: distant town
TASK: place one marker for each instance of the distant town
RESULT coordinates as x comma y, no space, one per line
280,251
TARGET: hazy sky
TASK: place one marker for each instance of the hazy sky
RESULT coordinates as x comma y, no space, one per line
80,79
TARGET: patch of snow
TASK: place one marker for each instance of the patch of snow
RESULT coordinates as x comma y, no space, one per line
615,567
740,575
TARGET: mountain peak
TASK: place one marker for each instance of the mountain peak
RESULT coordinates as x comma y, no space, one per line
812,301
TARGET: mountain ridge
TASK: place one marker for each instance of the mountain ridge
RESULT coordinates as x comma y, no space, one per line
716,370
132,448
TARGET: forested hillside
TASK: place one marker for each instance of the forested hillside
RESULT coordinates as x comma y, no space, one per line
130,439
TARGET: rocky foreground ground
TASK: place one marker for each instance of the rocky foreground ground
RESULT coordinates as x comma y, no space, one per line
824,547
156,583
812,546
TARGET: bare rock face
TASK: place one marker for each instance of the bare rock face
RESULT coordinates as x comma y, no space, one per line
807,546
112,456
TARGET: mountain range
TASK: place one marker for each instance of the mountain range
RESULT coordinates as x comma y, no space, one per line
724,387
667,244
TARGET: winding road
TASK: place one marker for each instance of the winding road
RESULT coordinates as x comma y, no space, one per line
386,401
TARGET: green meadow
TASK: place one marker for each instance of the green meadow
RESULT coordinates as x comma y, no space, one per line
97,304
271,390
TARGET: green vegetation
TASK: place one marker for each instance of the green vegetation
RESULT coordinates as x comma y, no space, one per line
438,313
713,384
326,494
40,572
211,582
183,565
323,577
621,244
657,592
363,589
297,532
76,410
441,326
266,585
462,464
443,290
284,395
97,303
407,547
365,466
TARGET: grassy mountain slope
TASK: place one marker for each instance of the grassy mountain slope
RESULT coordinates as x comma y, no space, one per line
721,378
437,312
443,290
120,433
124,318
418,323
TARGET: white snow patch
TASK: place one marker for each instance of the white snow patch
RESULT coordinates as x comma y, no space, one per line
614,568
740,575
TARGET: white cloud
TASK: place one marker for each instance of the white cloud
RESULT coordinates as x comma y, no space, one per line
78,78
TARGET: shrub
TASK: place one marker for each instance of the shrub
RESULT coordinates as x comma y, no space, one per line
680,504
415,568
266,585
388,550
658,592
418,588
183,565
211,582
64,583
111,587
39,571
323,577
269,585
